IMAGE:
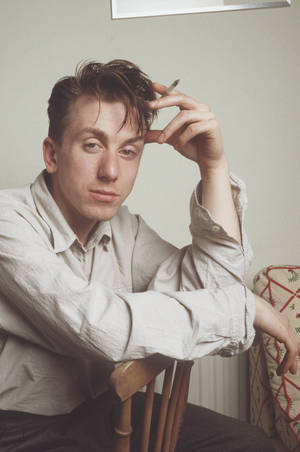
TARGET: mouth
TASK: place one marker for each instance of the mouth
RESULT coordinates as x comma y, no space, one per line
104,195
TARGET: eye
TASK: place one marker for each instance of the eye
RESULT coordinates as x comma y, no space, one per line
91,146
128,153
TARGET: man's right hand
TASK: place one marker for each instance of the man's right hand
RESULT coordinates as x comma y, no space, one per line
277,325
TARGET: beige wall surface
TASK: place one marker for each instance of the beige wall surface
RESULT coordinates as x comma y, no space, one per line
244,64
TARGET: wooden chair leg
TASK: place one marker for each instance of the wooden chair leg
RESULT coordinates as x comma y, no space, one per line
163,408
123,428
187,366
172,408
147,416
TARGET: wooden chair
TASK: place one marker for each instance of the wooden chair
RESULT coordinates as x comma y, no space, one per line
131,377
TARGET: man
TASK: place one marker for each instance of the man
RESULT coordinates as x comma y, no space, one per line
84,283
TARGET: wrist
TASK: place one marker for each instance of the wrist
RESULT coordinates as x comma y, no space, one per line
214,169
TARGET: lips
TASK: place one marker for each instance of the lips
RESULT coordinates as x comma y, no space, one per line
104,195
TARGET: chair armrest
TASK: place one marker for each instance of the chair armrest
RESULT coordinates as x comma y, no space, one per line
131,376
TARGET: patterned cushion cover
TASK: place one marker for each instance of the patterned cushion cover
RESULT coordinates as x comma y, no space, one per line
261,402
280,285
289,431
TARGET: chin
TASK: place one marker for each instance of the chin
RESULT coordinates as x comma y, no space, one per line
104,214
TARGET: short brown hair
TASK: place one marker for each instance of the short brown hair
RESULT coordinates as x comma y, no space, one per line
118,80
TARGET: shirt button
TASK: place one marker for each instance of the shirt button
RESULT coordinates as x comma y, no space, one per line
105,240
215,228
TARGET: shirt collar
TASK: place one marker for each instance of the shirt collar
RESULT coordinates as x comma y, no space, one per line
63,235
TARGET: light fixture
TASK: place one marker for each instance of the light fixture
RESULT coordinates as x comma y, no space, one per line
122,9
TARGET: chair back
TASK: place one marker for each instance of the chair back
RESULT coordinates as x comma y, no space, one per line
131,377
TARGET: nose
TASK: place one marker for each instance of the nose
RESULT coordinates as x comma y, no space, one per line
108,170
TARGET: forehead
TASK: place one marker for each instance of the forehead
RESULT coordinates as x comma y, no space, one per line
89,111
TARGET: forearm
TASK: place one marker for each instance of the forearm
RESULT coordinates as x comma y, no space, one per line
196,134
219,257
217,198
93,321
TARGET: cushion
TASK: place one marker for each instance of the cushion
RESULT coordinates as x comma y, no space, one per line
261,401
289,431
280,285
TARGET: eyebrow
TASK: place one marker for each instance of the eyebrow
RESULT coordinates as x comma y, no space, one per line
103,136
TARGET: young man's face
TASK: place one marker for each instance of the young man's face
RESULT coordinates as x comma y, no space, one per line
94,168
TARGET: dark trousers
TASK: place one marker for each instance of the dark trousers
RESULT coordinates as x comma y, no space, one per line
89,429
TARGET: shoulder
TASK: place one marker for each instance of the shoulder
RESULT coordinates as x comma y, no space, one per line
16,203
19,215
15,198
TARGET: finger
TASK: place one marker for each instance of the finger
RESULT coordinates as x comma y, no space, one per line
284,366
152,136
161,89
184,118
177,100
288,363
290,360
281,369
192,131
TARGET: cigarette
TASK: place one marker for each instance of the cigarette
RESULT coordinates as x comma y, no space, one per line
172,86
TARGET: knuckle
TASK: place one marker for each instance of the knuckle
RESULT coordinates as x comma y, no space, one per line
204,107
181,97
194,127
185,114
215,122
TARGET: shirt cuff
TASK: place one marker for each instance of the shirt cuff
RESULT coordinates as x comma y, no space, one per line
198,212
204,225
238,345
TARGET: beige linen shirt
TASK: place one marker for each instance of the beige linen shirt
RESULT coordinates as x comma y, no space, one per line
69,312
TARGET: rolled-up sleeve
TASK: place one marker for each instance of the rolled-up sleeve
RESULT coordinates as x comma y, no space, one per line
218,257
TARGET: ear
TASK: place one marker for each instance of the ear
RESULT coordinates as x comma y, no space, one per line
50,155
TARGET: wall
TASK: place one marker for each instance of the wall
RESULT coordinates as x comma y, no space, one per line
244,64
